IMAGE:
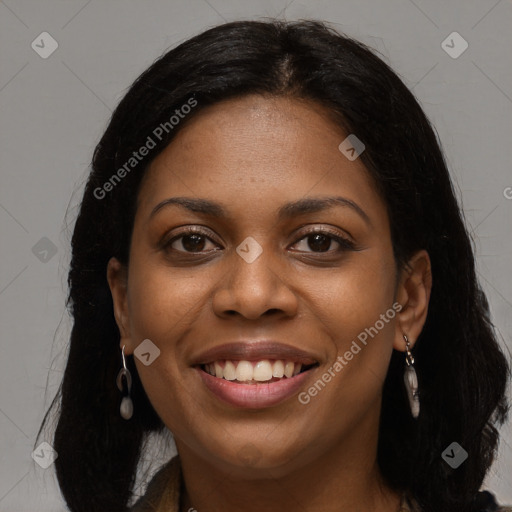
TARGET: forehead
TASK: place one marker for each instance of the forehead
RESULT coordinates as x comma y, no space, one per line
256,150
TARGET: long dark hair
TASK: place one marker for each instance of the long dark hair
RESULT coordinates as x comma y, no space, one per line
461,370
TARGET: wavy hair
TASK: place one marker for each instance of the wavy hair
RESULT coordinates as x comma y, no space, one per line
461,369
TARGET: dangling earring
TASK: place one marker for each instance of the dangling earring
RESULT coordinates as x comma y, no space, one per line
411,381
126,408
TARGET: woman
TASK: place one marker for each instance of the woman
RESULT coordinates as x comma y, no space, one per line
270,263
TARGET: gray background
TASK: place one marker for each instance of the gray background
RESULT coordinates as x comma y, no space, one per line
53,112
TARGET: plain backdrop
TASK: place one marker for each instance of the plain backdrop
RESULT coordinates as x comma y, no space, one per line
53,111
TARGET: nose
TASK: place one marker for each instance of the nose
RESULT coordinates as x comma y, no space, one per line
257,288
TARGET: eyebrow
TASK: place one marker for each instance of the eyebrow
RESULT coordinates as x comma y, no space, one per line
287,211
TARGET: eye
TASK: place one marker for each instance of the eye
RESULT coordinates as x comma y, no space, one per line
195,240
320,241
192,240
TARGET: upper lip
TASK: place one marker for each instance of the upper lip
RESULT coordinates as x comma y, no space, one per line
244,350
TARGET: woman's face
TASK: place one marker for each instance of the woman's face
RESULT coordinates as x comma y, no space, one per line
254,283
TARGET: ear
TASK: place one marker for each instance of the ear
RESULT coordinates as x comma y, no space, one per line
117,277
413,294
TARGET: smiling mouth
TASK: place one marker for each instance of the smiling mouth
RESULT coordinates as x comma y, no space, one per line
264,371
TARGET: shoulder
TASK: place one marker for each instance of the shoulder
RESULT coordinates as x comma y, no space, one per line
485,501
162,492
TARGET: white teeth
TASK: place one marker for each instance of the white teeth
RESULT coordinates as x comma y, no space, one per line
288,369
259,371
262,371
278,370
229,371
244,371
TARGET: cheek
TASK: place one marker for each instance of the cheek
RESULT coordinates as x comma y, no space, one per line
353,297
162,302
354,309
163,306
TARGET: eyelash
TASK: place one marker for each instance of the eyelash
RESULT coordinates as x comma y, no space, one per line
345,243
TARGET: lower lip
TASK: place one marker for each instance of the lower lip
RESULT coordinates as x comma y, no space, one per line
254,396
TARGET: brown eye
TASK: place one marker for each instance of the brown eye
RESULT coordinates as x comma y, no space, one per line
190,241
193,243
320,241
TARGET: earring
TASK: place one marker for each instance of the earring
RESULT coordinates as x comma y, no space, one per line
411,381
126,408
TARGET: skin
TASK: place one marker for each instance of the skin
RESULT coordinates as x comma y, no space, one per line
252,155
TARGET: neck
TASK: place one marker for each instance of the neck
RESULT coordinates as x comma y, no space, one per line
343,477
